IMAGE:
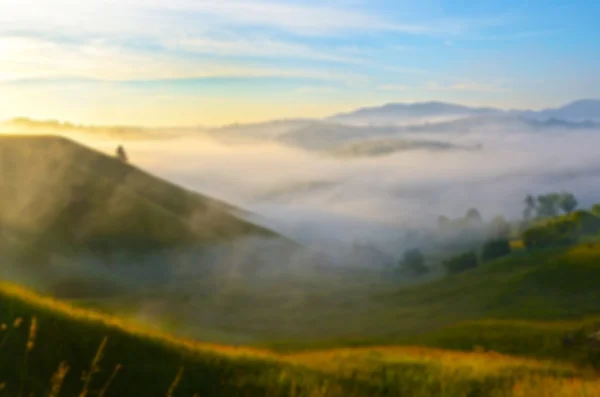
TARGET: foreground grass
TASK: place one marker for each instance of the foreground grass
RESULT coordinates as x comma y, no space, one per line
47,345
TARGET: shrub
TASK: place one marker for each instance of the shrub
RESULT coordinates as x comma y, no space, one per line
562,231
588,223
461,263
414,261
495,249
544,236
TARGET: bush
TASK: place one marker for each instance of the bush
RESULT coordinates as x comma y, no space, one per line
545,236
495,249
461,263
414,261
588,223
562,231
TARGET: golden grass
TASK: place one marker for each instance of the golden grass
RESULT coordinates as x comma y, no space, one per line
419,367
130,327
477,363
555,387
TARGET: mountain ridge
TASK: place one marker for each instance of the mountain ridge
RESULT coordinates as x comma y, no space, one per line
579,110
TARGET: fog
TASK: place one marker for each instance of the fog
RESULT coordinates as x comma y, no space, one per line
313,198
277,173
361,211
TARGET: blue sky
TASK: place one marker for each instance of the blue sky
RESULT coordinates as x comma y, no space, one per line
167,62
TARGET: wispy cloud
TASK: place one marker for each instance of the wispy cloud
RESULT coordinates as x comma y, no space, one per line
394,87
316,90
462,86
162,18
523,35
370,49
153,16
29,58
262,47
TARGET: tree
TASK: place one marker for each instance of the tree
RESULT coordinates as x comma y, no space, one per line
414,261
461,263
443,221
548,205
568,203
121,155
529,208
473,217
495,249
554,233
499,228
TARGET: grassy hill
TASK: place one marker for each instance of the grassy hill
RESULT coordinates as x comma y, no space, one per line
322,334
50,348
60,201
540,286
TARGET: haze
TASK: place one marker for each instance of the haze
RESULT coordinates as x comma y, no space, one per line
317,198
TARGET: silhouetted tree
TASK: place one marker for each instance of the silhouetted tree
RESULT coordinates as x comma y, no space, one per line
473,217
530,205
495,249
548,205
121,155
568,203
443,221
414,261
499,228
461,263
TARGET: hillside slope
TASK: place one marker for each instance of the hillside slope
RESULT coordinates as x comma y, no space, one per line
332,311
60,200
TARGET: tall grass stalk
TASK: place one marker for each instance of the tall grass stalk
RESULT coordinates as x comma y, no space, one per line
58,378
175,382
94,368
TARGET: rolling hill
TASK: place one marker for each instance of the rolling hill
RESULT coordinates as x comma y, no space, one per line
352,308
63,203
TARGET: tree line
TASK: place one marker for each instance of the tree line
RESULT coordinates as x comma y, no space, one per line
551,229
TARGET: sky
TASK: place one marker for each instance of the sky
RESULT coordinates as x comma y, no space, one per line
209,62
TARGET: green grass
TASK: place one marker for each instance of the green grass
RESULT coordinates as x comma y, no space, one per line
544,285
64,195
521,304
65,208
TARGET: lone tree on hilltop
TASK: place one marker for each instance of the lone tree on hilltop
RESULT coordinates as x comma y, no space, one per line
121,155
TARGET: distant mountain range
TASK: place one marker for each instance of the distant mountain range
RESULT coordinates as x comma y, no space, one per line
403,114
406,114
373,131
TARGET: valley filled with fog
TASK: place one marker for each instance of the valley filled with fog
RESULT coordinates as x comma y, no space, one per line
355,191
287,176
